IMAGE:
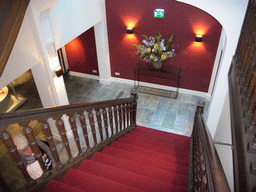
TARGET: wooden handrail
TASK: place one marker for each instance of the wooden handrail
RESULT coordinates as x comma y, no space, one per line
242,97
114,116
19,116
205,170
238,134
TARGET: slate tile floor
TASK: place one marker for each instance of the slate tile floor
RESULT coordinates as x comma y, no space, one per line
167,114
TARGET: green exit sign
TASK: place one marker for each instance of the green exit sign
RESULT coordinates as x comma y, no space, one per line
159,13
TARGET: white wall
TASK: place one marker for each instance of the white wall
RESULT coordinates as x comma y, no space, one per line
70,18
223,135
217,62
230,14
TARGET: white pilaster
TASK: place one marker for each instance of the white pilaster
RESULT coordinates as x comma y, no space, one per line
101,38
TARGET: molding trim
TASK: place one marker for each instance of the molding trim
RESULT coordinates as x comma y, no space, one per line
186,91
131,82
77,74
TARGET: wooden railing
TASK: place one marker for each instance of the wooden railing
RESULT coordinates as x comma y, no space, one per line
110,119
242,94
205,169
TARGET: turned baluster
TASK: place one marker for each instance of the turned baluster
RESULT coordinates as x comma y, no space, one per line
105,119
7,139
72,122
116,118
99,122
248,54
253,119
243,81
49,137
247,98
250,73
203,186
245,63
251,147
245,37
249,22
33,145
134,108
254,53
248,114
92,125
131,113
243,52
62,132
111,120
126,115
202,170
123,112
84,128
120,115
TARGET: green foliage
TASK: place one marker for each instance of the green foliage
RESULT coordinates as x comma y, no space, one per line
137,46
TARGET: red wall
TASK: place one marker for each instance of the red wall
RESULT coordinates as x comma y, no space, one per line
81,53
184,20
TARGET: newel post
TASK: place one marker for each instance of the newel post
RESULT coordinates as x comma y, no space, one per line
134,108
200,107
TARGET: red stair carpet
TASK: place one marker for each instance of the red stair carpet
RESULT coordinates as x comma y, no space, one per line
143,160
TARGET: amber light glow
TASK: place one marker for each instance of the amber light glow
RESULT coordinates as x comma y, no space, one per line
130,38
196,48
75,45
200,25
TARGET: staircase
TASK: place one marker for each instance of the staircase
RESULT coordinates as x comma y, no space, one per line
143,160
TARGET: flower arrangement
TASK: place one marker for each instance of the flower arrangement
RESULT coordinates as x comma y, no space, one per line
156,48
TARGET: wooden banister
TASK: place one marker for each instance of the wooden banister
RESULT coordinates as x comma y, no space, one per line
108,120
205,169
242,96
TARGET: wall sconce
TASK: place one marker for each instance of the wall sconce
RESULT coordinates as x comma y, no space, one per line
199,38
59,72
129,30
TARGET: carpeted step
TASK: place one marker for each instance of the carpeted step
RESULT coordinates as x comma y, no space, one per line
143,151
172,144
150,146
148,171
56,186
161,137
168,166
89,182
125,177
160,133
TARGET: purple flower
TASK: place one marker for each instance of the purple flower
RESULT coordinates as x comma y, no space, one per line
145,42
143,48
152,39
155,58
146,59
